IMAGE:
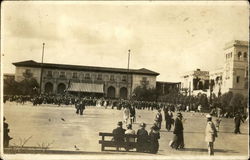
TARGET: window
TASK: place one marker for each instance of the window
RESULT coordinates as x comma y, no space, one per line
112,78
99,77
27,71
87,76
144,78
49,74
124,78
74,75
239,55
238,79
62,74
245,55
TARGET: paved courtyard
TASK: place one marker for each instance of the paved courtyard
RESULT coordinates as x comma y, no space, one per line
65,130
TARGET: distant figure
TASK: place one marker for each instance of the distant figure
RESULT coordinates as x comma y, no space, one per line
199,108
237,120
132,114
119,134
217,124
6,137
154,136
168,119
178,142
126,115
142,138
210,134
158,119
82,107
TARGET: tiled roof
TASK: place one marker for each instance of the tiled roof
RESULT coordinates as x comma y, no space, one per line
31,63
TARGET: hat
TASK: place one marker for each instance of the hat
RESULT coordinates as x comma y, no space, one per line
119,123
129,126
208,116
179,114
142,125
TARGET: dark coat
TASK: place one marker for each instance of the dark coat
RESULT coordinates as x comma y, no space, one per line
154,144
178,127
118,134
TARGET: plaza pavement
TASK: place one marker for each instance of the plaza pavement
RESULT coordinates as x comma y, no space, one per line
65,130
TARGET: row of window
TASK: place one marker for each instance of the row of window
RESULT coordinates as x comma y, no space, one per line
86,76
239,55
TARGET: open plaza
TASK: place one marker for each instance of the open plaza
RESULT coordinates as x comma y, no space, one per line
62,130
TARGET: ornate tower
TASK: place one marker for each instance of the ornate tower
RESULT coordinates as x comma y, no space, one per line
235,76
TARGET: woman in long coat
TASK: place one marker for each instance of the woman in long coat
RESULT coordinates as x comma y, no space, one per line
154,135
210,134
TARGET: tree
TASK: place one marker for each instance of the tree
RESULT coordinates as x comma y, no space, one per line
237,102
142,93
225,101
11,87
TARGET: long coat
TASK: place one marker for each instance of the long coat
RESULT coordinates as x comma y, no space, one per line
210,132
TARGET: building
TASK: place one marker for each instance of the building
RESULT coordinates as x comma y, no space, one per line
166,87
89,80
234,74
195,81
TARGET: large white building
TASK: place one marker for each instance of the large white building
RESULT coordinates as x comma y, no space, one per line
233,76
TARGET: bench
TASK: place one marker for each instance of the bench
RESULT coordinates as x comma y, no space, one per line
111,143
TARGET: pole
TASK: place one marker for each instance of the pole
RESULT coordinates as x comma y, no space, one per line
128,72
41,70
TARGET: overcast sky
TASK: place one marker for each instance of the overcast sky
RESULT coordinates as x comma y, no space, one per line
167,37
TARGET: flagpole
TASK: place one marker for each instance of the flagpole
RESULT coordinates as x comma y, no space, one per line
41,69
128,73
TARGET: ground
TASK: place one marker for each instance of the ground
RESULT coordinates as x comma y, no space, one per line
65,130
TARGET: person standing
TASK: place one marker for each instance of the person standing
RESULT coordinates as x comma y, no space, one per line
237,121
154,136
142,138
178,142
158,119
6,137
82,106
126,115
132,114
210,134
168,119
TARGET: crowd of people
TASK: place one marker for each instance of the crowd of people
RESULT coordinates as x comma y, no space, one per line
147,141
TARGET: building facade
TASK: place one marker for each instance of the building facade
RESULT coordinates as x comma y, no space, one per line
108,82
234,74
164,88
195,81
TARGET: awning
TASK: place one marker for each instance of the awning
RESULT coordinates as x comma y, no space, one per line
86,87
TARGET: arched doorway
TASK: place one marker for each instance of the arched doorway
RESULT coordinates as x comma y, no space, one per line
48,87
61,88
123,93
111,92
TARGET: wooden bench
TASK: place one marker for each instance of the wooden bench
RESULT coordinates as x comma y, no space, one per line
111,143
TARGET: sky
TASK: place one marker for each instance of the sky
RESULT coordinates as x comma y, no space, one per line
170,38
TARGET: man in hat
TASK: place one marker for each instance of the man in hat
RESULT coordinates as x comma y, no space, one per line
178,142
119,133
142,138
158,118
210,134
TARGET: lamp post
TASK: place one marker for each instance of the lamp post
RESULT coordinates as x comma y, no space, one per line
41,70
